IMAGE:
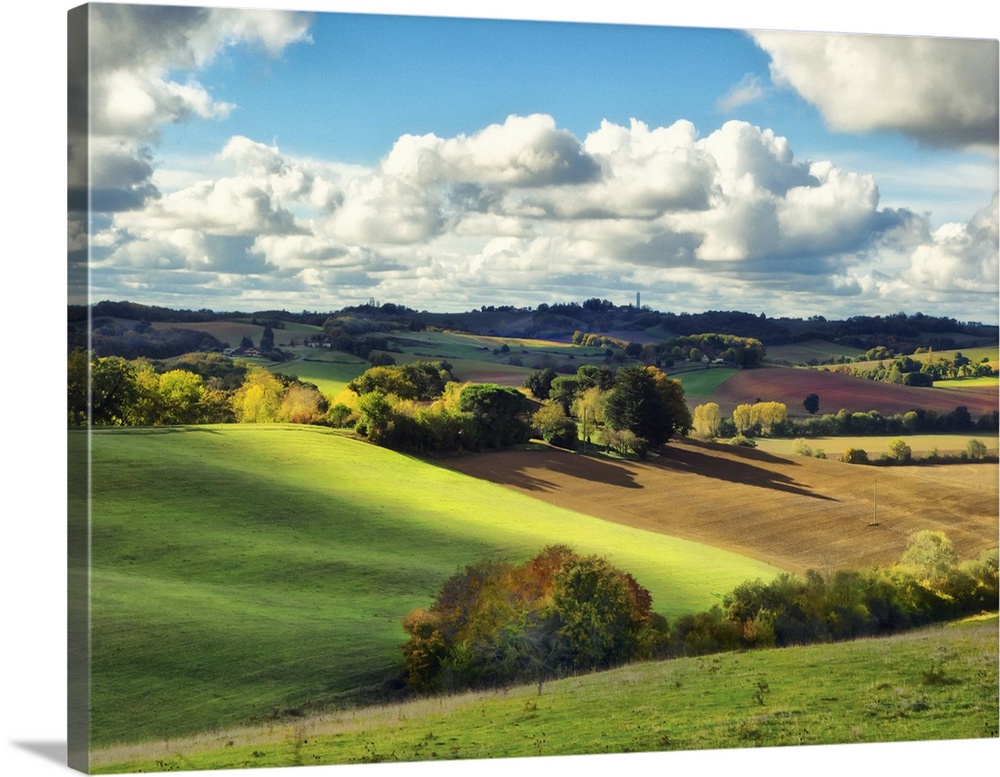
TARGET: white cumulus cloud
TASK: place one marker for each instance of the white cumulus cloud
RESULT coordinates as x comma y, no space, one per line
941,91
142,74
960,257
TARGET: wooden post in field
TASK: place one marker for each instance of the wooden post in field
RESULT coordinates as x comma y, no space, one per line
874,504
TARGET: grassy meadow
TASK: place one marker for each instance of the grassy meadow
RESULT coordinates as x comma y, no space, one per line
963,383
329,371
701,382
247,573
937,683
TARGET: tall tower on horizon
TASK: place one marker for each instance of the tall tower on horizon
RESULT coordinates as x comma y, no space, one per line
637,305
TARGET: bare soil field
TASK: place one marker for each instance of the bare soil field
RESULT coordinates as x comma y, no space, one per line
837,391
793,512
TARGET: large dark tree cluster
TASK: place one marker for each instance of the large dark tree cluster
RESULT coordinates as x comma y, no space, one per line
646,403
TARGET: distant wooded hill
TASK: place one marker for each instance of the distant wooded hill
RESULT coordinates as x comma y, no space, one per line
900,331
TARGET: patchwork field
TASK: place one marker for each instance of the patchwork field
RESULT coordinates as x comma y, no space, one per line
233,331
837,391
810,351
796,513
247,573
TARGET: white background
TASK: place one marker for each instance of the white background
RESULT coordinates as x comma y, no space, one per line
32,397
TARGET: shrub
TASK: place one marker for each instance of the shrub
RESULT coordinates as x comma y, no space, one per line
976,450
802,448
554,426
341,416
899,451
495,623
854,456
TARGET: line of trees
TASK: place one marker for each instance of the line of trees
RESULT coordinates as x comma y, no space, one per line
632,411
899,453
770,419
744,352
113,391
907,371
419,407
494,623
928,585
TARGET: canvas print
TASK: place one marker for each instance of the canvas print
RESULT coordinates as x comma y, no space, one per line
464,389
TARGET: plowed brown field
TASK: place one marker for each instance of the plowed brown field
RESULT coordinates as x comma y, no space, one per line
795,513
837,391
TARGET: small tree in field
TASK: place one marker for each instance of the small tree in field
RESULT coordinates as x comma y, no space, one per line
707,419
975,450
811,403
768,415
743,418
899,451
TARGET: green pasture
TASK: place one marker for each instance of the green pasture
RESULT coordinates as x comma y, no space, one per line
933,684
702,382
479,370
965,383
329,371
920,444
245,573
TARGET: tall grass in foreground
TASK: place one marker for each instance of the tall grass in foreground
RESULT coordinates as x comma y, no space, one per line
937,683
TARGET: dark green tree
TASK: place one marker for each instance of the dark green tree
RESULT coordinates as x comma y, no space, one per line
564,390
644,402
589,375
811,403
539,382
267,339
499,414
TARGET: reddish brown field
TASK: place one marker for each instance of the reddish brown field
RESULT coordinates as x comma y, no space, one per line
837,391
795,513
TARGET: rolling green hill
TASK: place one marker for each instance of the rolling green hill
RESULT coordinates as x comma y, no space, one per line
245,573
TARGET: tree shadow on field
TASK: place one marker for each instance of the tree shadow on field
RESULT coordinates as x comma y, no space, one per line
755,454
526,470
685,459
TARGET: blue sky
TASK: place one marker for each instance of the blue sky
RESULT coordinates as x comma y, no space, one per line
247,159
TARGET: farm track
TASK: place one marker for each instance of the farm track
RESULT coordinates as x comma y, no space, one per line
795,513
